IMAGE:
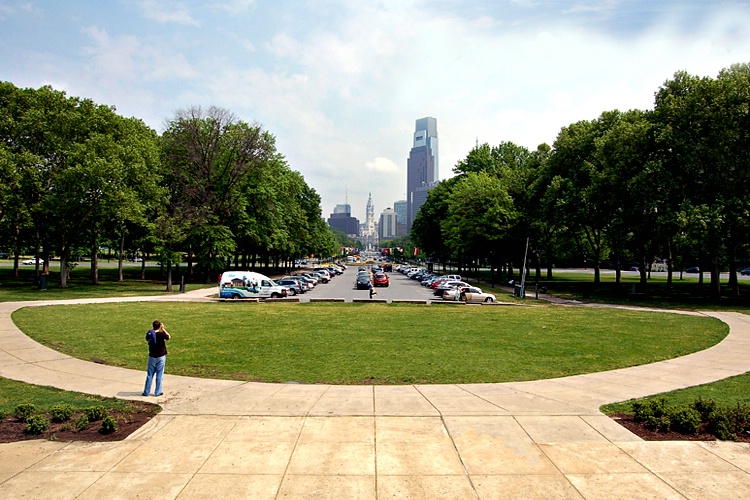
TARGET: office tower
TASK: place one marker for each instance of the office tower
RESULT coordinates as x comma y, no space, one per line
422,167
388,224
342,219
400,208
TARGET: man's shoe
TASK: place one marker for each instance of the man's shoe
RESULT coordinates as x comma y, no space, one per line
144,394
160,394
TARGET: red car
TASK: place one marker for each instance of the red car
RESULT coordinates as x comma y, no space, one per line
380,279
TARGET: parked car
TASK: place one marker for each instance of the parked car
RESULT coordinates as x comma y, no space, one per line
469,294
293,286
306,283
693,270
745,272
324,276
31,262
380,279
448,285
362,283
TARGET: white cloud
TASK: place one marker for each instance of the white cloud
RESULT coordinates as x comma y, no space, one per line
158,11
340,84
382,165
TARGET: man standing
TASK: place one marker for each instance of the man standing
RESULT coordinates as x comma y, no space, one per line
157,356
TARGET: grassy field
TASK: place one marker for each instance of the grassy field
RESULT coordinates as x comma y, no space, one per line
371,343
13,393
685,293
727,392
25,287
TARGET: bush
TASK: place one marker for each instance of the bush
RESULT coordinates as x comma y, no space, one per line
3,414
109,425
727,423
37,424
720,425
81,422
62,412
705,407
24,411
685,420
654,413
95,413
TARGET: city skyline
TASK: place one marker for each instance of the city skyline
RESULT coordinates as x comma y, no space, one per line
340,83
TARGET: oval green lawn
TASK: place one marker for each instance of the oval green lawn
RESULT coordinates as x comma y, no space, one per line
366,343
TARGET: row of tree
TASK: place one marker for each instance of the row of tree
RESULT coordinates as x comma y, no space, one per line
623,189
211,189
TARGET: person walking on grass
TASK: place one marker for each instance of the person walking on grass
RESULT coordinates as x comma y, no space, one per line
157,356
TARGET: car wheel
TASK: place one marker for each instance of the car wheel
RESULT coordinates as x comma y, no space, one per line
235,296
275,295
488,299
292,292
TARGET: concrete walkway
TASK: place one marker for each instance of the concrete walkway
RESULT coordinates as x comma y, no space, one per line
540,439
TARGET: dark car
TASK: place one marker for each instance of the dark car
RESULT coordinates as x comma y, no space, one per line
745,272
693,270
380,279
362,283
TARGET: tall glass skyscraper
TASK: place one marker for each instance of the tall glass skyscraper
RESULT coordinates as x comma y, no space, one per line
422,167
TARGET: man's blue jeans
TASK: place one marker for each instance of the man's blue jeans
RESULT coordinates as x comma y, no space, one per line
155,367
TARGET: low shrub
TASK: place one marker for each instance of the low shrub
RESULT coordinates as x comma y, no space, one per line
685,420
724,423
81,423
24,411
727,423
62,412
95,413
3,414
37,424
705,407
109,425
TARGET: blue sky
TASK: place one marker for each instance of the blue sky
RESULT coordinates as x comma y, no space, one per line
340,83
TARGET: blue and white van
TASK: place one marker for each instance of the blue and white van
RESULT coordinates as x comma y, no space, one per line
249,285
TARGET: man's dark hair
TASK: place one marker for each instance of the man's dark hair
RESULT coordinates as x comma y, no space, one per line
156,324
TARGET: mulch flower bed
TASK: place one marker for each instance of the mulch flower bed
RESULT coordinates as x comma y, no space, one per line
129,421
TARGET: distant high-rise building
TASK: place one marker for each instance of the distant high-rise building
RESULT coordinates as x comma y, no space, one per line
422,167
369,232
342,209
388,224
400,208
343,221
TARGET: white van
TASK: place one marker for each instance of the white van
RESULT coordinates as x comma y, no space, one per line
248,285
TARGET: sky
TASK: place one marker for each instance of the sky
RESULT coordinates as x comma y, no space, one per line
340,83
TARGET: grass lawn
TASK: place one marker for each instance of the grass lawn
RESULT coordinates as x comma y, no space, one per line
13,393
25,287
727,392
371,343
686,293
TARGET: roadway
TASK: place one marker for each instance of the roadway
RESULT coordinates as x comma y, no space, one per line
342,287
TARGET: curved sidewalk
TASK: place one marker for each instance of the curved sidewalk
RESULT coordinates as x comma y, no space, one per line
536,439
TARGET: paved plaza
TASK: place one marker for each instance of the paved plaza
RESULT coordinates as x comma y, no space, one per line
539,439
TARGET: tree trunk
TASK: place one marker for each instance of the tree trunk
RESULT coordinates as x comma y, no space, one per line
64,263
120,276
715,281
94,259
169,276
734,286
670,265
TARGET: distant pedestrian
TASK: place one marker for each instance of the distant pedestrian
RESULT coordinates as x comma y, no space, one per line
371,288
157,356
